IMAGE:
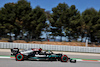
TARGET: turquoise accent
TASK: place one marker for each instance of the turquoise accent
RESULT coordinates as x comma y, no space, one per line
53,56
37,58
18,56
64,58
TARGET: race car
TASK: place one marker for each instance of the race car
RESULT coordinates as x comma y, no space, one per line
38,54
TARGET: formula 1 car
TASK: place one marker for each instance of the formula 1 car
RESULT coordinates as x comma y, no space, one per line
38,54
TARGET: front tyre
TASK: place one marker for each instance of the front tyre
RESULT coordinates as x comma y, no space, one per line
19,57
64,58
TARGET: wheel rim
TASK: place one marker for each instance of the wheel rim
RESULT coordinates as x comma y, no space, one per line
64,58
19,57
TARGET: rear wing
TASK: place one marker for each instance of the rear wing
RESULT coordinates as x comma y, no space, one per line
14,51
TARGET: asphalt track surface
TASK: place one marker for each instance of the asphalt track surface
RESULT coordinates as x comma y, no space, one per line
13,63
5,62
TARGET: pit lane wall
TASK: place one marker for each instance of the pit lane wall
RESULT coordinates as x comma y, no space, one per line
6,45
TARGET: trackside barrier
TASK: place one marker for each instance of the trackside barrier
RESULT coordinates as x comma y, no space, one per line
50,47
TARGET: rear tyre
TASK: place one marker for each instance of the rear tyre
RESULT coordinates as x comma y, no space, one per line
19,57
64,58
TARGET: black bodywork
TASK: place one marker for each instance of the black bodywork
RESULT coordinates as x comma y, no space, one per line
33,54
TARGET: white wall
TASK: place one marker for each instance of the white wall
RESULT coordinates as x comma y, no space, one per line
50,47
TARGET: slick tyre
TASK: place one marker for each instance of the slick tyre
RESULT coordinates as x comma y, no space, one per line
19,57
64,58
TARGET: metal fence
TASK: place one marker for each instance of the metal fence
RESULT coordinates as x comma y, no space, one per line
50,47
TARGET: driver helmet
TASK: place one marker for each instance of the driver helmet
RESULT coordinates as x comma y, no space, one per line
40,49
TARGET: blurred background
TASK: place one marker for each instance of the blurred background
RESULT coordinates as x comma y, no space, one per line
67,22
